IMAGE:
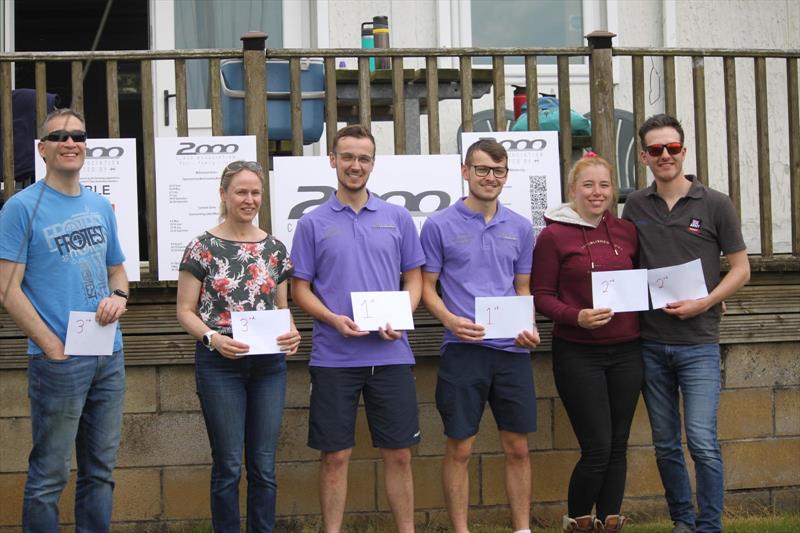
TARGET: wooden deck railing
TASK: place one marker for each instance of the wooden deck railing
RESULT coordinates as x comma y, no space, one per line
601,61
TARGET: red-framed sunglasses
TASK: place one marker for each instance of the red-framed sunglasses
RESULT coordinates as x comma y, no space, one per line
655,150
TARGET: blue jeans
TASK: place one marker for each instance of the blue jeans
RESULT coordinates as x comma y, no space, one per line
242,401
76,402
695,371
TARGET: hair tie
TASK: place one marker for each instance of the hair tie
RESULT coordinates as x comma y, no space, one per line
590,154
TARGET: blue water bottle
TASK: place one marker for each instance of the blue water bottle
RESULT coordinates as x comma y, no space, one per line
368,41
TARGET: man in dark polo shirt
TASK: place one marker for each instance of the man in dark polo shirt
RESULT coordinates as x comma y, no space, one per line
679,220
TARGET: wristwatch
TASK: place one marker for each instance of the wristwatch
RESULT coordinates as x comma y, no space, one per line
206,339
120,293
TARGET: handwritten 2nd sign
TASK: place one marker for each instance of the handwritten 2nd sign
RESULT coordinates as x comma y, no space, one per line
620,290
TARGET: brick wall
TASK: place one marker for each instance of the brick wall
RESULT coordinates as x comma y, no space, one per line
163,470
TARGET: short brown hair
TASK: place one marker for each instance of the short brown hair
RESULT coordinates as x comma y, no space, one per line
491,147
662,120
355,130
63,112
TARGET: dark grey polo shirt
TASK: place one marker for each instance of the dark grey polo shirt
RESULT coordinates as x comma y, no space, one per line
701,225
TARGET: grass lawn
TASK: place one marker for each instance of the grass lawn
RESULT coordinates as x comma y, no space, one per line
772,524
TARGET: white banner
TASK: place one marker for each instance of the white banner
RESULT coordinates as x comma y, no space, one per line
534,178
110,171
423,184
188,171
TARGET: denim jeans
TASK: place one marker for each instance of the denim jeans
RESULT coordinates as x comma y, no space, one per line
76,402
695,371
242,401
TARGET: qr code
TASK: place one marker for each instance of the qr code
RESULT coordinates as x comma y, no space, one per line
538,189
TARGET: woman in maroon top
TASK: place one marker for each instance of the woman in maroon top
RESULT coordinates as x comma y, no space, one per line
597,362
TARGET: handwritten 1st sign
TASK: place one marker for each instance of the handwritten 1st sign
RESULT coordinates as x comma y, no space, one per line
85,336
373,310
504,317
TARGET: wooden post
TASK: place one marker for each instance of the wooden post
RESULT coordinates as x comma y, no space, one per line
7,129
254,45
601,88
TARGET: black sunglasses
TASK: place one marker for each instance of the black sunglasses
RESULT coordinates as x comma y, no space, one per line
60,136
655,150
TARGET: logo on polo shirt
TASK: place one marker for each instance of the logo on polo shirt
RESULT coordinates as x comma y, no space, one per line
695,225
507,236
384,226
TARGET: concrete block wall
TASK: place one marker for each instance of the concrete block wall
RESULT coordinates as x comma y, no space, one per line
163,467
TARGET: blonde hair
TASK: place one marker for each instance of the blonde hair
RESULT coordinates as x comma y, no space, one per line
230,172
591,159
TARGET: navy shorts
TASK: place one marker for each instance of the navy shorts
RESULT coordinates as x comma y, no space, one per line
390,400
470,375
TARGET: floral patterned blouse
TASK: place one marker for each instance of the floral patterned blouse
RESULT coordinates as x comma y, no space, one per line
235,276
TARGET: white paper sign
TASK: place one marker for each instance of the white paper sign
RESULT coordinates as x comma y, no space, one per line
620,290
259,329
503,317
110,171
423,184
675,283
86,337
188,170
373,310
534,176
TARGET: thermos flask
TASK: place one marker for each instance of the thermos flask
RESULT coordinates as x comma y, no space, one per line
380,30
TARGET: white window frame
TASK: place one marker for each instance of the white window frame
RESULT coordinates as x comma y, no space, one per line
297,33
454,20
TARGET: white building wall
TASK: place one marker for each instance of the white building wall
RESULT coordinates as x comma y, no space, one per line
771,24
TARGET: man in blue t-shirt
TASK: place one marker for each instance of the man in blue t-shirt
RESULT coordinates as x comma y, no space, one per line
60,253
478,247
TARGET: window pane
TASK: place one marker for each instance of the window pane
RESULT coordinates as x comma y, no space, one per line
220,24
526,23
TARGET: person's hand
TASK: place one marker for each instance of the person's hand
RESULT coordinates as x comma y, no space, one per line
55,352
346,327
723,307
528,339
289,342
594,318
685,309
388,334
228,347
465,329
110,309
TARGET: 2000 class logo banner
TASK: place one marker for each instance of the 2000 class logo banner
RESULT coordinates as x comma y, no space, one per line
188,171
423,184
534,180
110,171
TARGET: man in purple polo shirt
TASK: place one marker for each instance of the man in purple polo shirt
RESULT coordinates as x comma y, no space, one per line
477,247
358,242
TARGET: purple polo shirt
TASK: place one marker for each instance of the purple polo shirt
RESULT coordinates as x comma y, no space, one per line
474,258
340,252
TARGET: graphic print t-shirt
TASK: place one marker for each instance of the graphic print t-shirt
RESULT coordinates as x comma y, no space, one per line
67,244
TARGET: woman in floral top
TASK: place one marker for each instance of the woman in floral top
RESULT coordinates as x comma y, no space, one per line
236,266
